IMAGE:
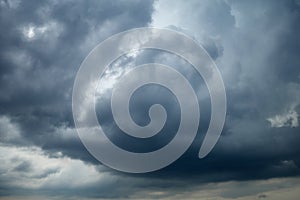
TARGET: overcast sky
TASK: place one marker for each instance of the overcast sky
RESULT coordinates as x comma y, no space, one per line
256,46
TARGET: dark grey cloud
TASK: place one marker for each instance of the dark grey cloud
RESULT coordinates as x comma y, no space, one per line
248,61
41,50
255,45
252,42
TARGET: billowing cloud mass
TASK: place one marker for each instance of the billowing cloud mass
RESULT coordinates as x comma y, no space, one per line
256,47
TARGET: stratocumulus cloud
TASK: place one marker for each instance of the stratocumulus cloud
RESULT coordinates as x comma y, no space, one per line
255,45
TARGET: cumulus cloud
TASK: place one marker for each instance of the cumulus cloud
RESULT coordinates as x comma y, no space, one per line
250,40
255,45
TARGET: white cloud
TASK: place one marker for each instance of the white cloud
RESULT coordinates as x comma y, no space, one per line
30,168
112,74
51,29
109,79
289,119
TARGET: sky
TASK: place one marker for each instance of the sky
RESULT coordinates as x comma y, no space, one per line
256,46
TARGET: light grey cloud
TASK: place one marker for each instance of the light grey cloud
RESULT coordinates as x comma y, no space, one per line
289,119
255,45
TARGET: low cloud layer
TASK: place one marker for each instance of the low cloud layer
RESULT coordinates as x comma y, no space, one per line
255,45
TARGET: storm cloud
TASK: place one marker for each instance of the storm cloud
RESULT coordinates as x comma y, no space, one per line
256,47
